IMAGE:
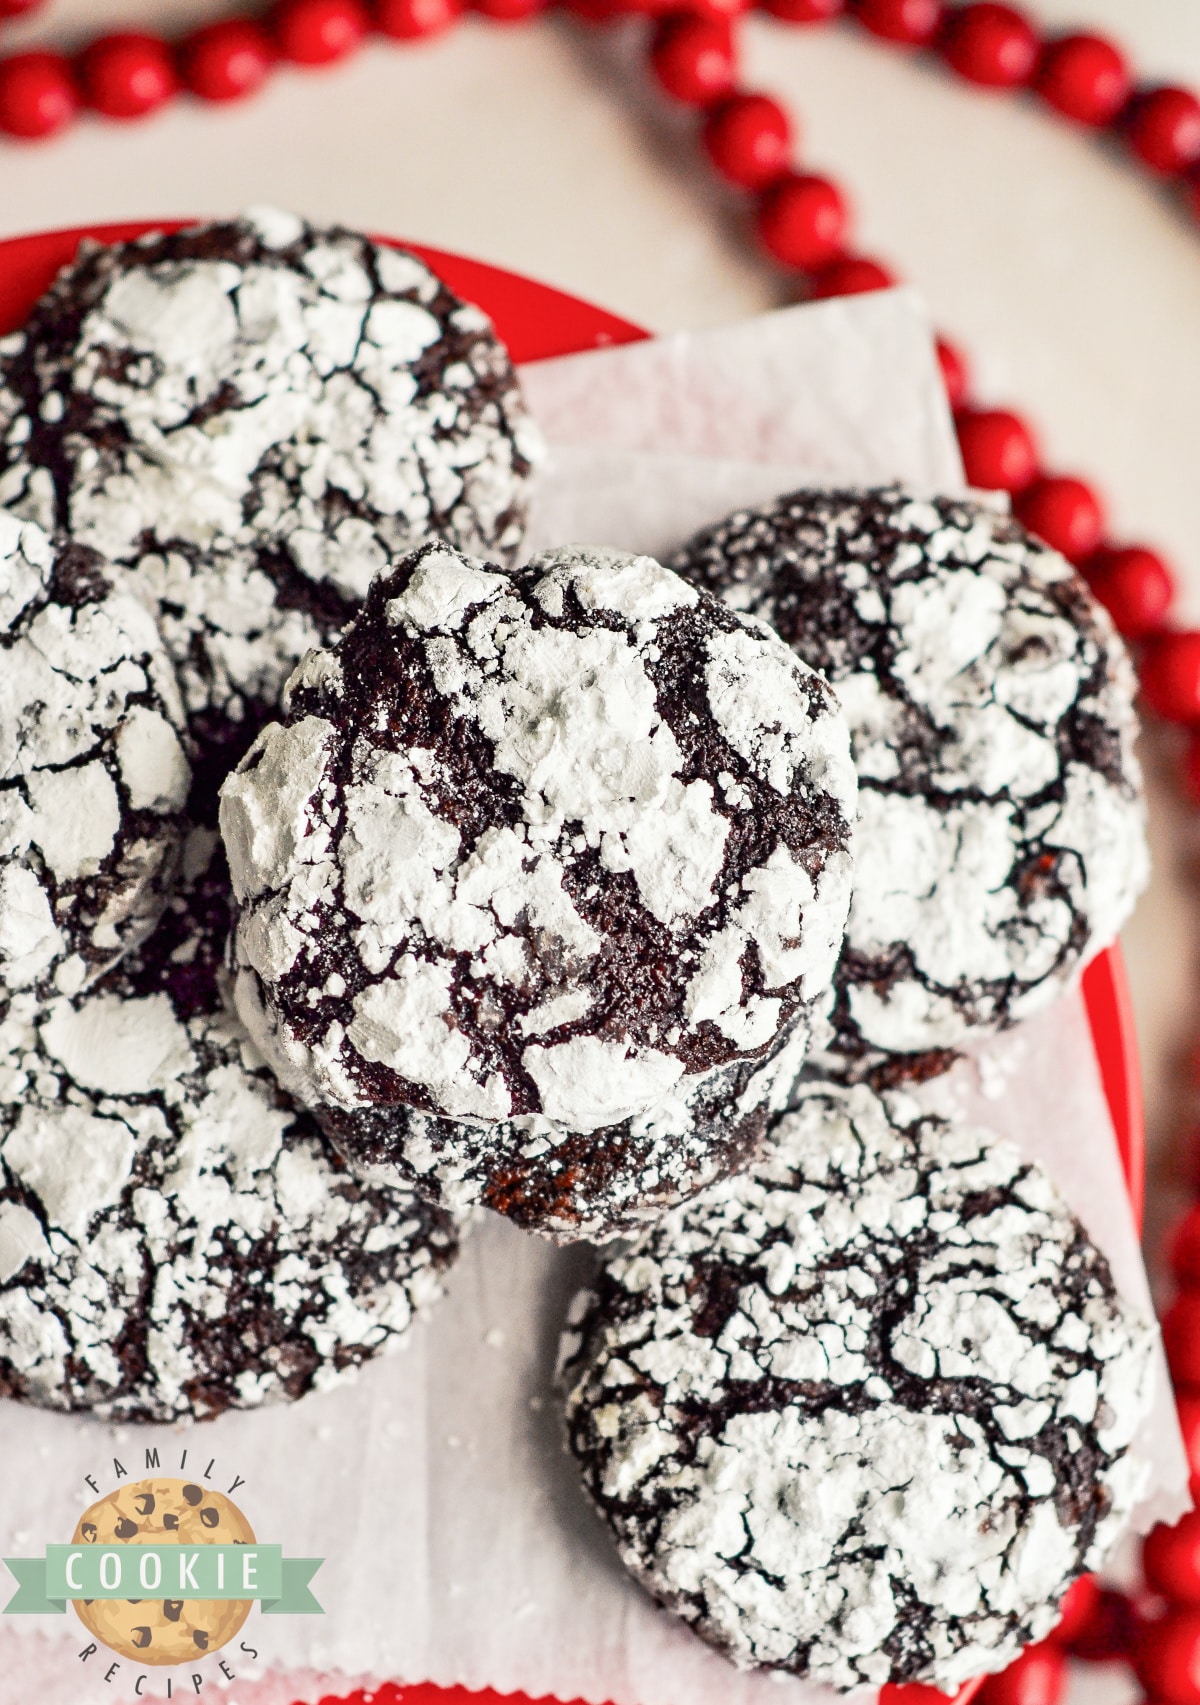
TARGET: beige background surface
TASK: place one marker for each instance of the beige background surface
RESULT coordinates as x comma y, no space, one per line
544,149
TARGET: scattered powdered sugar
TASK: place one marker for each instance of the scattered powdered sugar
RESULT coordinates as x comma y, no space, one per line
93,773
864,1413
175,1237
255,416
522,847
1002,838
560,1184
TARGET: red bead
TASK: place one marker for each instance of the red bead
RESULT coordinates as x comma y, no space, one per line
719,8
994,46
805,11
1171,1560
1135,586
127,75
1171,687
223,62
408,20
912,22
1163,128
37,94
1188,1405
1166,1657
748,139
1109,1631
854,275
1076,1610
998,449
802,221
1083,77
1039,1677
1181,1331
1064,512
953,364
693,58
317,32
508,11
1185,1248
18,8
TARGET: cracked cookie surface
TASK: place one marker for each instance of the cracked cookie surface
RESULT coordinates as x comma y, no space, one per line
93,773
864,1413
1001,840
569,1186
549,842
254,416
176,1238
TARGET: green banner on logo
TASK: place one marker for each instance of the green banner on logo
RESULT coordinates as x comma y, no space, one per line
262,1572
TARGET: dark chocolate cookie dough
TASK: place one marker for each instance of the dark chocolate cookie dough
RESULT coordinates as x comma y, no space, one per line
569,1186
1001,840
93,773
176,1239
865,1413
255,416
550,842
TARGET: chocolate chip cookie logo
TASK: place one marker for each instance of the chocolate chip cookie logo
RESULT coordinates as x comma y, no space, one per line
163,1571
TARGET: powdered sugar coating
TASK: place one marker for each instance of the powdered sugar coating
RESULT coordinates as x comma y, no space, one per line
864,1413
566,1186
175,1237
93,773
255,416
1002,836
520,848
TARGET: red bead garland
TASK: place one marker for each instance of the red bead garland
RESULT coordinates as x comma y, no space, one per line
1083,77
1039,1677
748,139
38,95
998,450
410,20
224,62
1164,130
994,46
127,75
1065,513
802,221
910,23
693,58
317,32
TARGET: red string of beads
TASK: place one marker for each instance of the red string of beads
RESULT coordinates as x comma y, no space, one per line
803,220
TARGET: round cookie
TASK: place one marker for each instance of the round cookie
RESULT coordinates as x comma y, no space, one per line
176,1238
551,842
93,774
864,1413
255,416
567,1186
158,1512
1002,838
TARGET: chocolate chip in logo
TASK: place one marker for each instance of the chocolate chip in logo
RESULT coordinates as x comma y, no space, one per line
144,1503
201,1638
171,1608
192,1495
210,1517
89,1532
170,1521
141,1638
125,1529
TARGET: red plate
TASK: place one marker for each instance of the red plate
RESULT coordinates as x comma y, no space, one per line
537,322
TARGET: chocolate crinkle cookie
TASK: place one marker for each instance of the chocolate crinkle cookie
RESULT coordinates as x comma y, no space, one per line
255,416
93,772
566,1185
552,842
176,1238
1001,840
864,1413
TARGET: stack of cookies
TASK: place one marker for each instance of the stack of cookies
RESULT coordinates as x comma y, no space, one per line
356,877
